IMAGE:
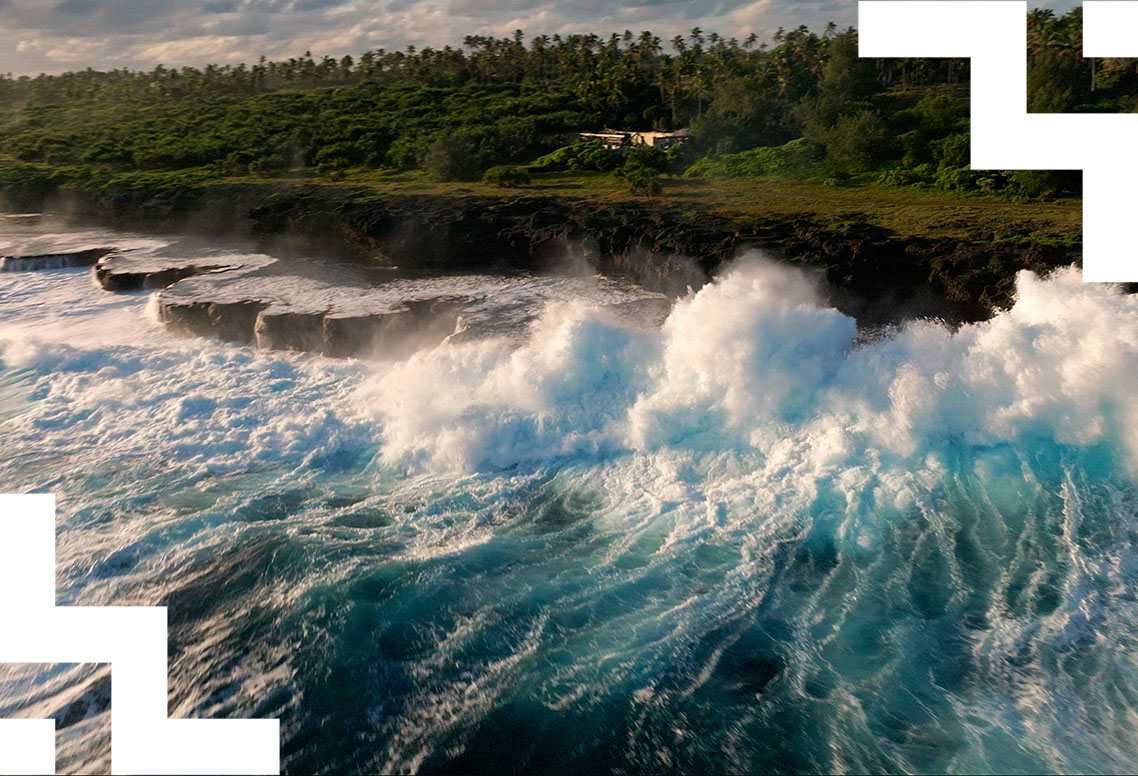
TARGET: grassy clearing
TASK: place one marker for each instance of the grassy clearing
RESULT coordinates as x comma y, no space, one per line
906,210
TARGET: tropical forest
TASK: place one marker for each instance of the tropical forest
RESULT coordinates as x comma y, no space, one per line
798,115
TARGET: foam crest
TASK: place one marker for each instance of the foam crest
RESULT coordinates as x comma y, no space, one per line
755,360
1057,366
748,351
494,403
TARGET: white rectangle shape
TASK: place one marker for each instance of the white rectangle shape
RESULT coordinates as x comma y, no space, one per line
939,28
27,747
27,553
1109,28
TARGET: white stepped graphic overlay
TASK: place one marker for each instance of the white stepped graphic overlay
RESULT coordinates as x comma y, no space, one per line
993,34
132,641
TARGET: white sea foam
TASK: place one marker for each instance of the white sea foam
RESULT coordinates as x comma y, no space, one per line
755,359
925,537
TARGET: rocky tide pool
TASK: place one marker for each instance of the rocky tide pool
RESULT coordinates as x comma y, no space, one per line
574,528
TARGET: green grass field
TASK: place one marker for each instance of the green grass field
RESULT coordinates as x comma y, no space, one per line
906,210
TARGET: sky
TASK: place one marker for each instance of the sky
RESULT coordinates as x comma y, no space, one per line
57,35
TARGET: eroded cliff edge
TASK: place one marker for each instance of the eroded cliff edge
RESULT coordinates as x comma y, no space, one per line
872,273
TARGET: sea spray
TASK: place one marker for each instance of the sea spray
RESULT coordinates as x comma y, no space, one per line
744,542
755,358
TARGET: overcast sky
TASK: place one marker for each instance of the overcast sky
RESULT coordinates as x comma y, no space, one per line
55,35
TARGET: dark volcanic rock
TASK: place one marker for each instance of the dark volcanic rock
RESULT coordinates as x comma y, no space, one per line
300,332
228,321
119,272
87,258
344,313
236,321
395,334
872,273
190,317
338,313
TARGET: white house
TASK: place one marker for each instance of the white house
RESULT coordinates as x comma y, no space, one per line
615,140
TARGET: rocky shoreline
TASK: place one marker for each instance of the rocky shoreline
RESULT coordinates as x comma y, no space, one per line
343,310
87,258
871,274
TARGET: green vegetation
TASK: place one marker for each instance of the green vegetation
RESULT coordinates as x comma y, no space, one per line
798,158
507,177
1061,80
803,108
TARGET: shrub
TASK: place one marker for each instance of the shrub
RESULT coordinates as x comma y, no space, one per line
644,182
960,179
857,142
940,113
953,151
452,158
1042,184
649,158
795,158
583,155
899,176
915,147
507,177
332,172
268,166
340,155
680,156
238,163
643,179
407,153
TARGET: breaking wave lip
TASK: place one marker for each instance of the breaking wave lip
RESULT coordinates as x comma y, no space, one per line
756,361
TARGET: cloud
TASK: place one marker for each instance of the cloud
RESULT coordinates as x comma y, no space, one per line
56,35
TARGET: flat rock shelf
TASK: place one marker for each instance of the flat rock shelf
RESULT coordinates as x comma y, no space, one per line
122,272
85,258
343,310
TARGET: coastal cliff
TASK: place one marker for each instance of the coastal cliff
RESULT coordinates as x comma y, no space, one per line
872,272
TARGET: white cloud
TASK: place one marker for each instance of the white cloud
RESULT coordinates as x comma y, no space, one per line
55,35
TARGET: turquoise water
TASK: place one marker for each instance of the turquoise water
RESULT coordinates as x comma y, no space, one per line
747,542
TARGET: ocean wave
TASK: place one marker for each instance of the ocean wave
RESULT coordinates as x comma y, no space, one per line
747,541
755,359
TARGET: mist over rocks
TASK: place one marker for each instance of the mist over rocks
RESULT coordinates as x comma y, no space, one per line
872,273
869,273
85,258
371,293
350,311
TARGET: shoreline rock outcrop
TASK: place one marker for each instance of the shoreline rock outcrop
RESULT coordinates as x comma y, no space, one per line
871,273
344,312
85,258
121,272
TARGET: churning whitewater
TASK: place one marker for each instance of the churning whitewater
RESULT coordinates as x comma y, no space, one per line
749,540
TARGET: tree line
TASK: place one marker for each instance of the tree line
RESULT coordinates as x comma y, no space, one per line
509,101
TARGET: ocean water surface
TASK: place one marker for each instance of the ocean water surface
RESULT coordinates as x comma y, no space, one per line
746,541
